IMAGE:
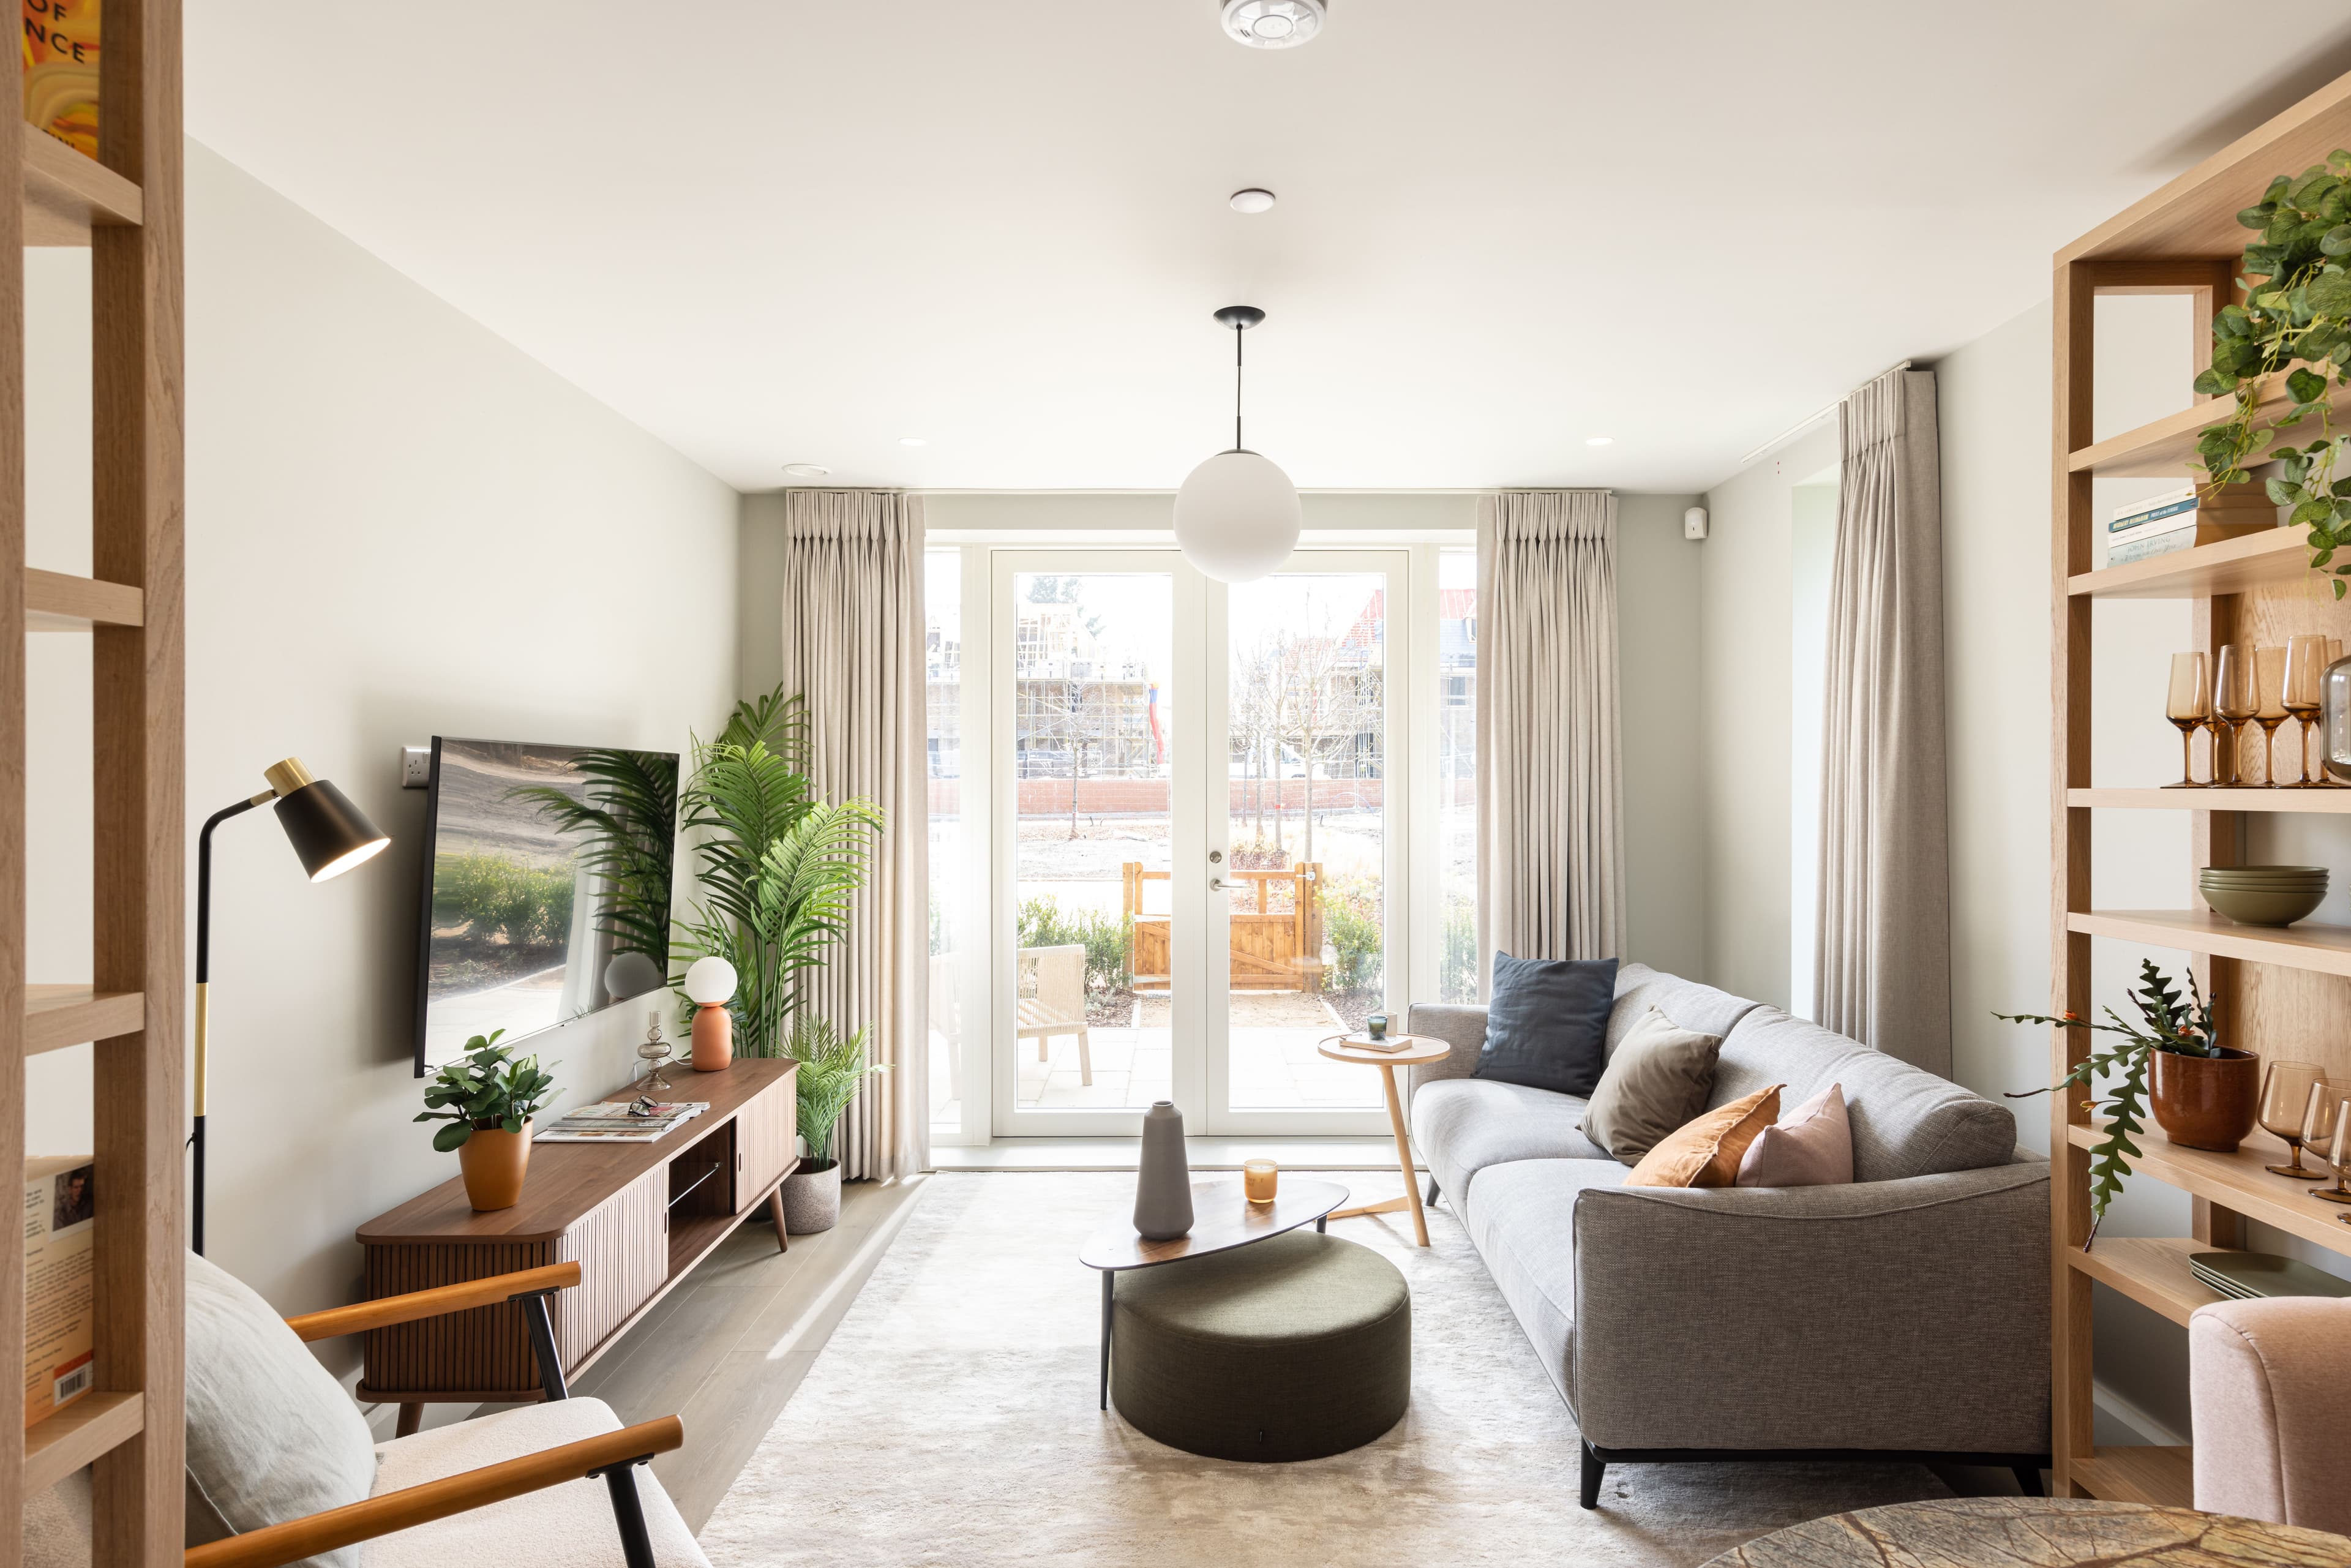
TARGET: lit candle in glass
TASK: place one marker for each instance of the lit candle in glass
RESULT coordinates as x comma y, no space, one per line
1261,1178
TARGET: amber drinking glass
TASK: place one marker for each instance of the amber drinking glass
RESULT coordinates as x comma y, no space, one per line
2322,1129
2286,1101
2306,658
1261,1179
2233,704
2188,706
2269,706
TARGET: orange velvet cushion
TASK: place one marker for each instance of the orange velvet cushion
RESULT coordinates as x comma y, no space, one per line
1706,1152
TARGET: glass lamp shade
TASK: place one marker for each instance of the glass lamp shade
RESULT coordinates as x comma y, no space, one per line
330,833
631,975
1237,517
709,980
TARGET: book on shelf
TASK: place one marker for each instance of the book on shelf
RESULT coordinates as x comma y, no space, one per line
61,70
2142,516
621,1122
61,1222
2145,529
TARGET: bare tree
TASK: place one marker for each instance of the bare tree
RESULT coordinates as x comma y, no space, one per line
1330,696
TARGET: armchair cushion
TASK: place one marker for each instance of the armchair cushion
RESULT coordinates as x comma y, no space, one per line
567,1526
271,1435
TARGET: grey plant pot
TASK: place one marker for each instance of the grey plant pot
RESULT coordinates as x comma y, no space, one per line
812,1198
1162,1176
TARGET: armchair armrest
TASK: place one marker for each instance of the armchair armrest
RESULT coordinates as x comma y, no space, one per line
336,1527
1909,1315
360,1316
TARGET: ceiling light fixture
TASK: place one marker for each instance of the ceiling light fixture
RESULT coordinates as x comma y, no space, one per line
807,470
1599,440
1273,23
1237,515
912,440
1252,201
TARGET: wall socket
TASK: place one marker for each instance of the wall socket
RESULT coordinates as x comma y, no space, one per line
415,767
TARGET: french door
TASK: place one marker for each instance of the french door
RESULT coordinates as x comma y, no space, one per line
1198,858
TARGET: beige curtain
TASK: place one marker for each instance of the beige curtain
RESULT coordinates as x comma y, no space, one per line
1551,839
854,648
1882,973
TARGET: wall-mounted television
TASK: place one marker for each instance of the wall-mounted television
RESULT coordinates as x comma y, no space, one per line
546,888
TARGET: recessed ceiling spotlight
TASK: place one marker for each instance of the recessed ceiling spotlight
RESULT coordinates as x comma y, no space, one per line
912,440
1599,440
1273,23
1253,199
807,470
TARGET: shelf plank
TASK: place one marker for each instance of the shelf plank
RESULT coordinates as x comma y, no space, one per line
2277,558
55,602
2151,1270
66,194
90,1426
2238,1181
59,1016
2165,1478
2323,949
2323,802
2166,448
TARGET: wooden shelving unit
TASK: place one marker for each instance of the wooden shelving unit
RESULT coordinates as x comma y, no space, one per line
2278,991
125,206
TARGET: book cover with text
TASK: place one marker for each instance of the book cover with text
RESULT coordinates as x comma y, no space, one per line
60,1219
61,70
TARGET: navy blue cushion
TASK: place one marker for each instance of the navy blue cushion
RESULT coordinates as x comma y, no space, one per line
1547,1022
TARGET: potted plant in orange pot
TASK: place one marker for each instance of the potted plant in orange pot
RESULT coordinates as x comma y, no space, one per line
488,1099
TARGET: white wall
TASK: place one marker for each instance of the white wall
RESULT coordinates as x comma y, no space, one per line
398,526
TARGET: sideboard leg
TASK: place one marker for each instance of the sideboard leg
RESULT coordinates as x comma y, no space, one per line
775,1211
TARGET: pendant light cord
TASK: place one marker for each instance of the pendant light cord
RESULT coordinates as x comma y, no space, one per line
1237,387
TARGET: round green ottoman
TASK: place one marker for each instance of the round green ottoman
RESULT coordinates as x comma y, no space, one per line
1291,1348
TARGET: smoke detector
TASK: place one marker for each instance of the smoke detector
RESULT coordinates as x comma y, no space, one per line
1274,24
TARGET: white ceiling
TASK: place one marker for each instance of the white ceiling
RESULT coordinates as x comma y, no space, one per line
784,230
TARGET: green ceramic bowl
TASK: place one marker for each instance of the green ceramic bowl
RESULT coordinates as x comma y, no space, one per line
2264,907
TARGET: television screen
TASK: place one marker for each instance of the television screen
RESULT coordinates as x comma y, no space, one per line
546,888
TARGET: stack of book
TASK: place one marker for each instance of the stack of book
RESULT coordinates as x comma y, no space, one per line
2250,1276
2183,517
621,1122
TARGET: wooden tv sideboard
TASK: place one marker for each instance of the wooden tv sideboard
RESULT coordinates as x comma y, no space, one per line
635,1216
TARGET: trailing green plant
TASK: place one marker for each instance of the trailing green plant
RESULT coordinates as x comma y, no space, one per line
491,894
2184,1028
1351,923
2297,318
780,868
627,826
831,1067
1108,939
488,1089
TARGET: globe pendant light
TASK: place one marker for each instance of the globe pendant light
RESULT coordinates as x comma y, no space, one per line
1236,514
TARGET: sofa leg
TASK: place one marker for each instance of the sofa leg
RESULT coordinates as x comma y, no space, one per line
1431,1199
1592,1471
2028,1480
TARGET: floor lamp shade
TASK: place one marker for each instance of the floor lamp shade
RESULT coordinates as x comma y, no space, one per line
329,832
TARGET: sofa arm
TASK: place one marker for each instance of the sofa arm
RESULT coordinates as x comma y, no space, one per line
1462,1028
1909,1315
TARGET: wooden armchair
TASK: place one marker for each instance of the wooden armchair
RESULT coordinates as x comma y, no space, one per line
511,1510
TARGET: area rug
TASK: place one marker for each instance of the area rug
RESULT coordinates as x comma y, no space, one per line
952,1420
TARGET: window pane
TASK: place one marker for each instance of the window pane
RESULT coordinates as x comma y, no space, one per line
1456,773
943,722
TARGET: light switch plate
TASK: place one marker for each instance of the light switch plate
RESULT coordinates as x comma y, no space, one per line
415,767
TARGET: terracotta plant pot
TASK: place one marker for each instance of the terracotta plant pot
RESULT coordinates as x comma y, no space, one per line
2204,1102
493,1161
714,1037
812,1198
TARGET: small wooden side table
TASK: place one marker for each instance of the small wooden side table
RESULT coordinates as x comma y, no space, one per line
2037,1532
1419,1050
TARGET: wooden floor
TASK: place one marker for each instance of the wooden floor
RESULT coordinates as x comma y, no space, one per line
725,1350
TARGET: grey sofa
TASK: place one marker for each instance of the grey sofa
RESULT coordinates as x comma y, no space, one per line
1905,1314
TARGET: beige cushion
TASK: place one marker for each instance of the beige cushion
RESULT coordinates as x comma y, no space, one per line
2269,1383
1707,1152
271,1435
1656,1081
568,1526
1812,1146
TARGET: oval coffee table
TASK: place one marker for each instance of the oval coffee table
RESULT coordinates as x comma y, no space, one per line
2037,1532
1419,1050
1222,1219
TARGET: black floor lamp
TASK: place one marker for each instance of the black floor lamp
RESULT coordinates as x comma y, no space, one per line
331,835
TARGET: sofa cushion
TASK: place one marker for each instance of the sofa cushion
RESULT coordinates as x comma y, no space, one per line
1699,1009
1905,1121
1547,1022
1520,1221
1656,1081
1812,1147
1461,1126
1707,1152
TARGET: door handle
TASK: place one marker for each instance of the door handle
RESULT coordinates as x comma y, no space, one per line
1218,884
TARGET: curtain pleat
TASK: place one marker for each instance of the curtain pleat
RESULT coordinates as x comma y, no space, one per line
1551,837
853,603
1881,970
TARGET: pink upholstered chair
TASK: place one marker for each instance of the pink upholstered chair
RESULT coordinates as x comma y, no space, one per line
2271,1385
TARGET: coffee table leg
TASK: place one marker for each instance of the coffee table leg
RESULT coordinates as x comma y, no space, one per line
1110,1280
1404,1151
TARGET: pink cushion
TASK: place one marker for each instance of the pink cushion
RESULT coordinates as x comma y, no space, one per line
1812,1147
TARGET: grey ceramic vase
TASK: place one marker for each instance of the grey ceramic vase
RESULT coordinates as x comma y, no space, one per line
1163,1178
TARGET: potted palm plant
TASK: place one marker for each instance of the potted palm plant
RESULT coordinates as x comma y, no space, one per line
487,1099
831,1067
